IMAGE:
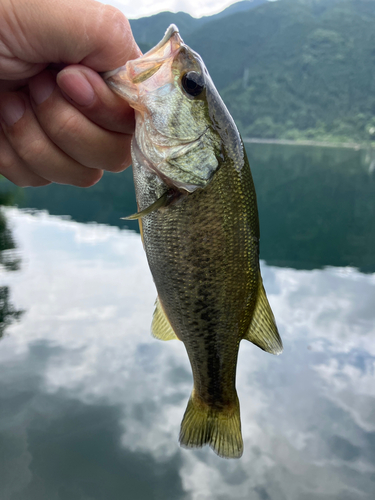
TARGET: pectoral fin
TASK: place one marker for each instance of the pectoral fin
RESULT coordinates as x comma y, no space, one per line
163,201
161,327
263,330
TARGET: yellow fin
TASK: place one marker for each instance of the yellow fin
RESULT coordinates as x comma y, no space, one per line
159,203
141,231
263,330
220,429
161,327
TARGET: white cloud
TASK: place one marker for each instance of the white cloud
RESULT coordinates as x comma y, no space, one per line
144,8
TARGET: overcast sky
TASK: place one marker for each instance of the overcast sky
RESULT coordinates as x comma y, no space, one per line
141,8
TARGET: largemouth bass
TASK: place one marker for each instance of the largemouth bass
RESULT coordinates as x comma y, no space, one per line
199,224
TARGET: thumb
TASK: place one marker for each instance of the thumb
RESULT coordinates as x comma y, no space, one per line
68,32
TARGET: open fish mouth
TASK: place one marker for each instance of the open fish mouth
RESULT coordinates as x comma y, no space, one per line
149,72
172,132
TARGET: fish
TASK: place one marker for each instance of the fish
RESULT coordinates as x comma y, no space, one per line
199,224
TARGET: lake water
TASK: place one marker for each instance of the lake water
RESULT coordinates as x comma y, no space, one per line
91,404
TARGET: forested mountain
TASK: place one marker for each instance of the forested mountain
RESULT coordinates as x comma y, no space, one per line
287,69
148,30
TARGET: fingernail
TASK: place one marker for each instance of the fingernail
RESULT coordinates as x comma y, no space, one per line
12,110
76,86
42,87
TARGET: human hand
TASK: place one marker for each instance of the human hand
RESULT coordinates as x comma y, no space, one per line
62,126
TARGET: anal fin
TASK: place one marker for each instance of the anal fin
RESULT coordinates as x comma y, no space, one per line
263,330
161,327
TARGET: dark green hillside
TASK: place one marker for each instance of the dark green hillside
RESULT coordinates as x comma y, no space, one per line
236,7
297,69
149,30
292,68
267,36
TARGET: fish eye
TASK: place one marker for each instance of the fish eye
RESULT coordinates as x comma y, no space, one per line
193,83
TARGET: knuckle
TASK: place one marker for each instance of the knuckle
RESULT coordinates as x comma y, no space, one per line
117,19
12,168
120,35
122,159
7,163
33,151
118,167
67,124
91,177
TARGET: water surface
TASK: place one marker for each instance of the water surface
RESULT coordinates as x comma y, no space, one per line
91,404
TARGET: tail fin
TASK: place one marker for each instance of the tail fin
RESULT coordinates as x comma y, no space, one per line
220,429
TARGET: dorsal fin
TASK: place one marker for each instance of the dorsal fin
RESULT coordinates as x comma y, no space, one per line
263,330
161,327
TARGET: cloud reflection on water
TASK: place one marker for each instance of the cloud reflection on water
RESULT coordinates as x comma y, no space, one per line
82,364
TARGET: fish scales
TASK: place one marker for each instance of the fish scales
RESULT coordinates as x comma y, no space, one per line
210,308
199,225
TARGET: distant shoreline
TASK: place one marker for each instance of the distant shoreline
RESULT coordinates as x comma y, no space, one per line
287,142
